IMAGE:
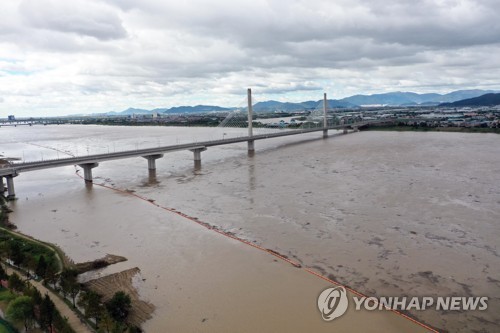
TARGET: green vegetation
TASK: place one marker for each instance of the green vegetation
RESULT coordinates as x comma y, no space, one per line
34,257
37,257
22,309
6,327
26,307
4,210
6,295
119,306
92,305
41,260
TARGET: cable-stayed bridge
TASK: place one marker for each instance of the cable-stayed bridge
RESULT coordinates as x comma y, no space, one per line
317,121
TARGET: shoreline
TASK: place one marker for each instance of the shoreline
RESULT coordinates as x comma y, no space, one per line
106,285
397,128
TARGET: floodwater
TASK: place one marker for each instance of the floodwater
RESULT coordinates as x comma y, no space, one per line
386,213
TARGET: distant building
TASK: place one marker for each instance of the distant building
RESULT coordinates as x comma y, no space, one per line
11,118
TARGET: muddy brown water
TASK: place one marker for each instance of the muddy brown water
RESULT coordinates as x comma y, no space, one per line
387,213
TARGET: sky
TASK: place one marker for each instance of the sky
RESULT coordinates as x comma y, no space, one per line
62,57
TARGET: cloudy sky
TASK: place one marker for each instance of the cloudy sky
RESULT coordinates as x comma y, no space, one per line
82,56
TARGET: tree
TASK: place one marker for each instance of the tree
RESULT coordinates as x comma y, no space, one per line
51,274
47,313
61,324
3,274
69,283
73,291
106,323
35,295
21,309
15,253
90,301
119,306
30,264
15,282
41,267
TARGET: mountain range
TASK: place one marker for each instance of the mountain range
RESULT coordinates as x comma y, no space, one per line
386,99
483,100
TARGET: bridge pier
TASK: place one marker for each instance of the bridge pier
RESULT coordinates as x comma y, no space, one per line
197,153
345,130
325,119
152,160
11,193
87,171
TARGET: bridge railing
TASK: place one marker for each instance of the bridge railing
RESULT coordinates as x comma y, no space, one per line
177,147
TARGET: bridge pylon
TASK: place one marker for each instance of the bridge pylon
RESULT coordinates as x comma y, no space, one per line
251,145
325,120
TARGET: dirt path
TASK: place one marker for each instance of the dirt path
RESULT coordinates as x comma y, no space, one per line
64,309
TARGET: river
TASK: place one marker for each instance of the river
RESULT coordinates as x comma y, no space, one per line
386,213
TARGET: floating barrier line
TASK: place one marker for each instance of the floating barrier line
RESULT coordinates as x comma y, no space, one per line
244,241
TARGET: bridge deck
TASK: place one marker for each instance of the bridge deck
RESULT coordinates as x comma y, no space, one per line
15,168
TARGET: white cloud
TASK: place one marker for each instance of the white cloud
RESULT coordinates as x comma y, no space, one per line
60,57
80,17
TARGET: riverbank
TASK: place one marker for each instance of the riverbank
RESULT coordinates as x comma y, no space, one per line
74,321
29,253
399,128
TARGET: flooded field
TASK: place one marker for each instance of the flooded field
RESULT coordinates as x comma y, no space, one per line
386,213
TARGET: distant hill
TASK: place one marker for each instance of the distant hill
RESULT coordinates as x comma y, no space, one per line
388,99
133,111
393,98
463,94
194,109
413,99
287,107
484,100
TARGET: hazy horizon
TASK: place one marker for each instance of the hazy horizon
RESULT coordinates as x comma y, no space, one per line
92,56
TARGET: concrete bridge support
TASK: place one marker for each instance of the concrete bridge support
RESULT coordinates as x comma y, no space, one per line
345,130
197,153
152,160
87,171
11,193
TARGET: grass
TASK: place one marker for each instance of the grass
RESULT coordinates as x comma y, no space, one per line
29,247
